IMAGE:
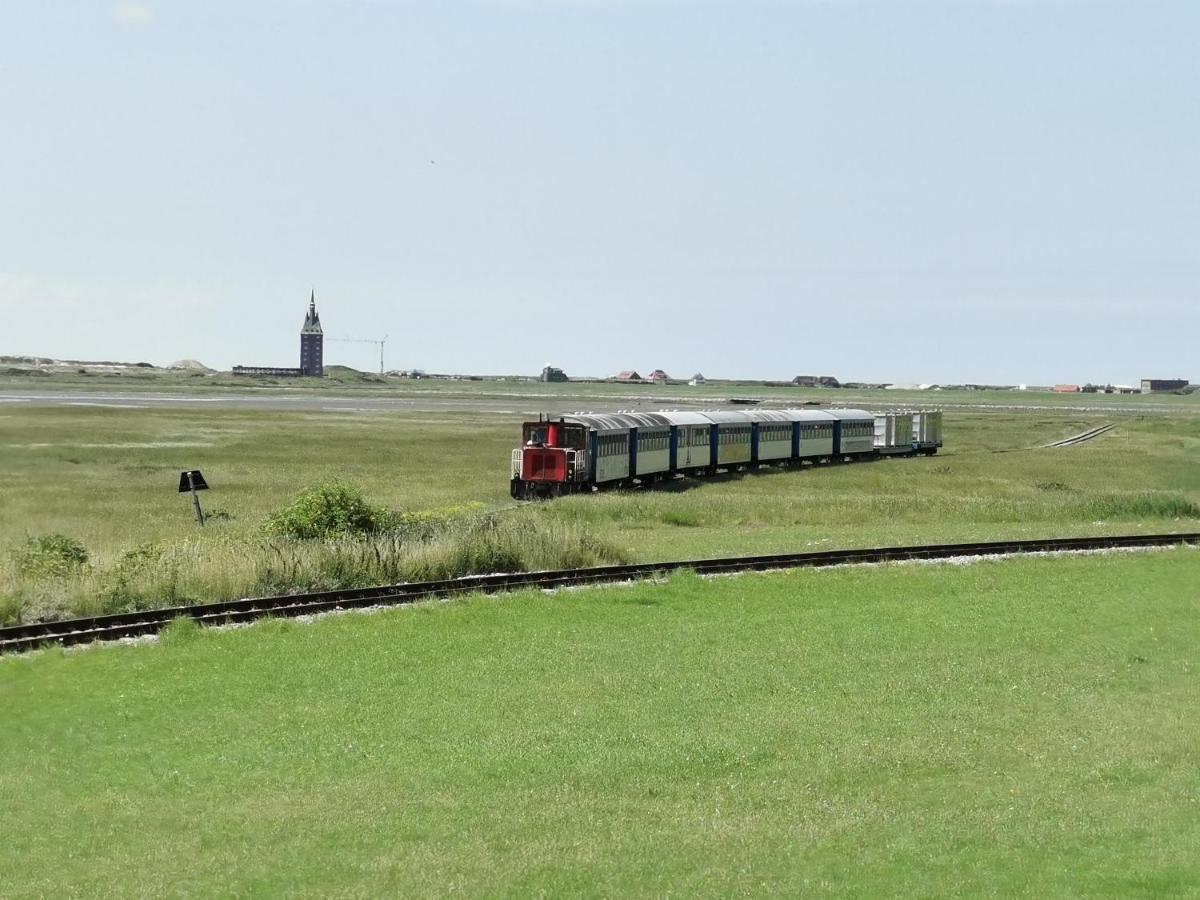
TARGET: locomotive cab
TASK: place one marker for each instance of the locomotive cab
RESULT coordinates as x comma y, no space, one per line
552,459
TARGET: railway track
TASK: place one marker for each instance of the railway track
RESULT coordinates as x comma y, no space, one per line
1081,438
19,638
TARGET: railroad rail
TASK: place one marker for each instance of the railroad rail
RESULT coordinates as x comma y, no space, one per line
18,638
1081,438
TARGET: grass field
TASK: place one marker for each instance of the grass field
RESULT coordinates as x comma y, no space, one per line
1018,727
107,478
582,394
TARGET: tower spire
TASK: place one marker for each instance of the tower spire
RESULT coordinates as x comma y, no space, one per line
312,340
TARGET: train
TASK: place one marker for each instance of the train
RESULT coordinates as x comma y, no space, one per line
580,452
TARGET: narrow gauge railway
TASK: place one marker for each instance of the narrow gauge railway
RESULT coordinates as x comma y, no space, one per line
20,638
1083,438
587,452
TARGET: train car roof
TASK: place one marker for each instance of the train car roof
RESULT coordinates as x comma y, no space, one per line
649,419
768,415
616,421
609,422
851,414
726,417
602,421
813,415
788,415
686,417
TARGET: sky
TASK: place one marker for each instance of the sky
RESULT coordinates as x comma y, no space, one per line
1000,191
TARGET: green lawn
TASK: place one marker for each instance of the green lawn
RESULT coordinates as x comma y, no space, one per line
1016,727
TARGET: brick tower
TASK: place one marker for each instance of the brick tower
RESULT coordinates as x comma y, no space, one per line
312,342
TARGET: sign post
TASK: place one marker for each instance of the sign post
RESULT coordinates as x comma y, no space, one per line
194,481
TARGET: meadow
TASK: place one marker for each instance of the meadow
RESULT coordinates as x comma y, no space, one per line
1020,727
107,478
576,394
1008,727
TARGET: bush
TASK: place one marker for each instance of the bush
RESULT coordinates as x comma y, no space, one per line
12,610
329,509
50,556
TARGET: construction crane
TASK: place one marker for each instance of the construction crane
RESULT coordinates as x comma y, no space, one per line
379,343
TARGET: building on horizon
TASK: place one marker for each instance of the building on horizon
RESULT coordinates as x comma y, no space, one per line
312,351
1151,385
312,342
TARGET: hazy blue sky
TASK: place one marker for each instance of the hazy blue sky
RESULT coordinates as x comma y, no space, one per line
911,191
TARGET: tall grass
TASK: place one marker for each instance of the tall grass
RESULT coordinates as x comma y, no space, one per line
197,571
1141,506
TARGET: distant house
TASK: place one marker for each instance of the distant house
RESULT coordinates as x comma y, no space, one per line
1065,389
628,375
1150,385
816,381
698,379
658,376
550,373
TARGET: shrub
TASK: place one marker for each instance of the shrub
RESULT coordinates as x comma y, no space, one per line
140,558
12,610
329,509
50,556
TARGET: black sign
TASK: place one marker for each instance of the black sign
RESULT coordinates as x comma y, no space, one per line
192,481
